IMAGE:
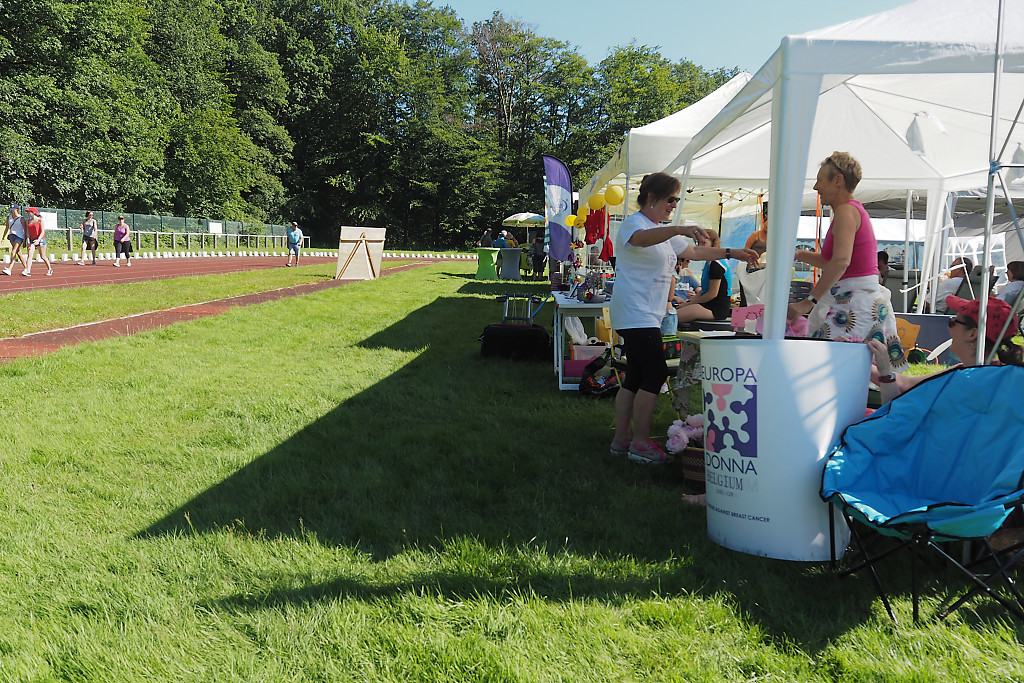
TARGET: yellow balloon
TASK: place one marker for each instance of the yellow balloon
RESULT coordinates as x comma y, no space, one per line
581,213
570,220
596,201
614,195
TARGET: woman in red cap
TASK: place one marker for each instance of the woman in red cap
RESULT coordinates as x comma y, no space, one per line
965,335
35,234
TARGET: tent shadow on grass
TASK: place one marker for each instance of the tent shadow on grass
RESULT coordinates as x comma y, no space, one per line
451,447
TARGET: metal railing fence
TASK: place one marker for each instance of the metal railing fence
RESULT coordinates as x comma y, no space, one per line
169,232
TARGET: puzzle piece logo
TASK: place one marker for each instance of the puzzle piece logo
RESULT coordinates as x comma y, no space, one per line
731,410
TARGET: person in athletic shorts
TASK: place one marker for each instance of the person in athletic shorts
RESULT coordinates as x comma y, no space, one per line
35,233
122,242
16,236
88,238
294,243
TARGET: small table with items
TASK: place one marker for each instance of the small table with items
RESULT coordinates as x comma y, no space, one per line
564,305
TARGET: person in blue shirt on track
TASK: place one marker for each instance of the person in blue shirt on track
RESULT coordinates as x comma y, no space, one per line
294,243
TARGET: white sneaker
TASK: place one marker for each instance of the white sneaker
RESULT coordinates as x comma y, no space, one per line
26,273
129,264
117,264
6,271
50,271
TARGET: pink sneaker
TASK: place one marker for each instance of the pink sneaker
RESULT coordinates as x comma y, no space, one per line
619,448
648,453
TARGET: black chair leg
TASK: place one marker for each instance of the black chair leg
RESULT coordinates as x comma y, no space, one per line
986,585
868,562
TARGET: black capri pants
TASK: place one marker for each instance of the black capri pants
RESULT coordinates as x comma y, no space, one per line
645,359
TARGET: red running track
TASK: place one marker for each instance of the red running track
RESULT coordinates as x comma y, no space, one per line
69,274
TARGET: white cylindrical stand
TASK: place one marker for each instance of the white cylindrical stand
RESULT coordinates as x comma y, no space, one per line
772,409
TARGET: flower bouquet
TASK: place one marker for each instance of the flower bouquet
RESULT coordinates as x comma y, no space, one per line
686,440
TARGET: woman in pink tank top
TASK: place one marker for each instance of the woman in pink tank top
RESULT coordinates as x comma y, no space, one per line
847,302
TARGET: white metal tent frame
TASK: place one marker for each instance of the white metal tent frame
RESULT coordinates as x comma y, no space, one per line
996,171
896,63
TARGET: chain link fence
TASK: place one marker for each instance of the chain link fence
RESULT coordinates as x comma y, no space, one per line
167,232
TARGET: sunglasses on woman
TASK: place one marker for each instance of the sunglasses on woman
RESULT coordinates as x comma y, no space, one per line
953,320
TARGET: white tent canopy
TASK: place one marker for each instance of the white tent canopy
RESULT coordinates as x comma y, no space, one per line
908,92
650,148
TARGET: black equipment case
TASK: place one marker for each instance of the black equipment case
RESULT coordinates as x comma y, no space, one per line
517,337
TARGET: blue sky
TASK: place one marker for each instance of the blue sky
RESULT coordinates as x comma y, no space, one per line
710,33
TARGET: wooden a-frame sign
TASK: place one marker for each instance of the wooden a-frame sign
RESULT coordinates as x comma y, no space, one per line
360,251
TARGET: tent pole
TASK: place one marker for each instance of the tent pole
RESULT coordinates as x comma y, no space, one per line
793,109
993,169
906,250
1009,205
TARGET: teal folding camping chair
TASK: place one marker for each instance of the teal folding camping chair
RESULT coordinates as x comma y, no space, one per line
943,462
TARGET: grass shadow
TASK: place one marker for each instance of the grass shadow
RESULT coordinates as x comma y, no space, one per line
452,446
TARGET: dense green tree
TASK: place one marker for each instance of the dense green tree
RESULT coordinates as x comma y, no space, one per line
439,171
638,87
695,82
212,164
521,101
259,93
331,116
331,112
83,104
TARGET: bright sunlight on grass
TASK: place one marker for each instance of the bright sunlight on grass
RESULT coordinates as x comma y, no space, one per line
337,487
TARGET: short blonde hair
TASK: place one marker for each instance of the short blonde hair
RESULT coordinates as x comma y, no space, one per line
842,162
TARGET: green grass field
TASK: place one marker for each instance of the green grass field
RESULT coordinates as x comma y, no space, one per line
337,487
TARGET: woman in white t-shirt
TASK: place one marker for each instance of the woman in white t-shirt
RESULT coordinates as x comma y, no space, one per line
646,253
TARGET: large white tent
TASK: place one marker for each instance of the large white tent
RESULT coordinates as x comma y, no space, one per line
908,92
649,148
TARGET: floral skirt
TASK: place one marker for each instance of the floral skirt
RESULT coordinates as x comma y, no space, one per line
857,309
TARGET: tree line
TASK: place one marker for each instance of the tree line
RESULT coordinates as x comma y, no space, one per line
328,112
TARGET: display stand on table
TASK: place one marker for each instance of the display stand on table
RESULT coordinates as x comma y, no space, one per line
486,258
360,251
564,305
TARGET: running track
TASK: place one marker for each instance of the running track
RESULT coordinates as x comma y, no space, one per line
70,274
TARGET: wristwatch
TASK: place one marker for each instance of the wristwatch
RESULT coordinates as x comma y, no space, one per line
728,252
887,379
810,297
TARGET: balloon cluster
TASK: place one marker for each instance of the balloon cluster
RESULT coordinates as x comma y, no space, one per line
612,196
